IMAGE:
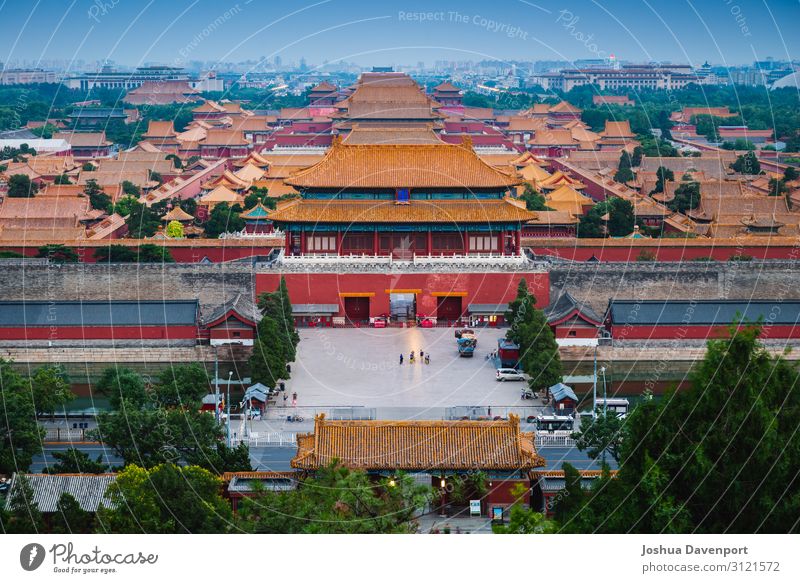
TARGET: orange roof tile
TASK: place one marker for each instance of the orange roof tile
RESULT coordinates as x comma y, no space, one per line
418,445
401,166
386,211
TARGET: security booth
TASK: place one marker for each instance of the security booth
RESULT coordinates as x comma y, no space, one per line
564,399
314,315
487,314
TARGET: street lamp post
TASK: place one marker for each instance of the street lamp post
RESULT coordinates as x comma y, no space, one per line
228,406
594,386
605,406
216,384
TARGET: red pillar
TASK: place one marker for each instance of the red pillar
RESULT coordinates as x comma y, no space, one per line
303,242
375,242
288,242
430,242
518,238
466,242
500,238
338,241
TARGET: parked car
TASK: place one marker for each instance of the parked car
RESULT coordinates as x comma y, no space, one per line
509,374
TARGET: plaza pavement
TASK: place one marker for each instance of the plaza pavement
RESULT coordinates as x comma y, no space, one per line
361,367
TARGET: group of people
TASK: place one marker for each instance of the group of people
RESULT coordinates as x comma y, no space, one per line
426,358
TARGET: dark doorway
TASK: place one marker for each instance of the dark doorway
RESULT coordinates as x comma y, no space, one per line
403,307
449,308
356,309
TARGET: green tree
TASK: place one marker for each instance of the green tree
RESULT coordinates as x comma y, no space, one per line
22,515
624,173
97,198
268,361
50,389
663,175
88,167
337,500
685,460
155,176
539,356
176,161
131,189
747,164
522,519
166,499
182,385
175,230
70,518
223,219
687,197
636,157
118,383
534,201
75,461
570,501
791,174
777,187
20,433
150,253
621,218
125,205
591,225
21,186
61,179
603,433
58,253
142,221
115,253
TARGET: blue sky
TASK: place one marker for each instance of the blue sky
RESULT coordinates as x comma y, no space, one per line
133,32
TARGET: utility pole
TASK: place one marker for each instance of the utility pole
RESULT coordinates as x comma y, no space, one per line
216,384
594,387
605,407
228,407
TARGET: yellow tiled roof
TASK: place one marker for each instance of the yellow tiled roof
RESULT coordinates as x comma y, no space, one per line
418,445
401,166
387,211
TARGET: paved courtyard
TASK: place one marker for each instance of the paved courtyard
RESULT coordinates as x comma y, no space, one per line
361,367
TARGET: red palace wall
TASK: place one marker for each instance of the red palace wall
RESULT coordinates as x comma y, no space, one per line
667,250
480,288
99,333
694,332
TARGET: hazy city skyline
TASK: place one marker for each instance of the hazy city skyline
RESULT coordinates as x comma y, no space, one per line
135,33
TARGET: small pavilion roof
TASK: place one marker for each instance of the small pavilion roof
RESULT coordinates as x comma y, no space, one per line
177,214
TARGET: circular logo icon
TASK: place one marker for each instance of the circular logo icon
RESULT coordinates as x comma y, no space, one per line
31,556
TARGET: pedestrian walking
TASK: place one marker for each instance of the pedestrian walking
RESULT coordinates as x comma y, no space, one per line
427,359
421,354
294,399
285,398
401,359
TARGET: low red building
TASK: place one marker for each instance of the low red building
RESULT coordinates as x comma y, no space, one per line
87,321
699,319
234,322
440,452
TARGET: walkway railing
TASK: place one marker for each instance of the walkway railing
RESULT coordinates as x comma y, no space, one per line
548,440
59,434
274,439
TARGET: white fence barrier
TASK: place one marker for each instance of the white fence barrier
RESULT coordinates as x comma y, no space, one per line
548,440
275,439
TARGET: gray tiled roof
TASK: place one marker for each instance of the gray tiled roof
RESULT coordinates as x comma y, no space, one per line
240,304
88,489
701,312
315,308
98,313
564,304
